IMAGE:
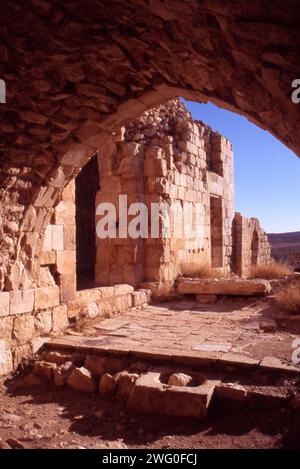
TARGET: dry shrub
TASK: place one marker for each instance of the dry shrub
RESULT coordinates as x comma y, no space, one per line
288,299
200,270
270,271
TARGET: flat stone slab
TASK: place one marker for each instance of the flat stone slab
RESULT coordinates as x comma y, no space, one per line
210,347
275,364
235,287
223,334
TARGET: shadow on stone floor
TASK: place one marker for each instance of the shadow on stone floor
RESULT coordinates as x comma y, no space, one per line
227,305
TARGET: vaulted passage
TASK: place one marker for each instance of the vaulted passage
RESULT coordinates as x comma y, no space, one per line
86,187
69,87
74,77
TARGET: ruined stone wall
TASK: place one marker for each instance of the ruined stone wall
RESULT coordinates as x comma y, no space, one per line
251,246
166,157
28,316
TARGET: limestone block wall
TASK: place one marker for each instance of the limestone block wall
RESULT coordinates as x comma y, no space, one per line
28,316
166,157
58,258
251,246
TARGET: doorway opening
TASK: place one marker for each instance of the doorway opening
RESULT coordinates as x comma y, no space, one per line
216,231
254,248
86,188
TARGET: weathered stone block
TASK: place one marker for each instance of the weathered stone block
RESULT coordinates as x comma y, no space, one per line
66,262
20,353
152,396
22,301
233,392
93,294
58,237
107,292
206,299
47,242
179,379
122,289
155,167
6,326
82,380
106,307
59,318
68,194
64,213
48,258
4,303
125,382
46,297
62,372
44,369
139,297
57,357
77,155
99,364
224,287
67,283
122,303
60,176
43,322
45,277
6,359
92,310
76,308
23,328
107,385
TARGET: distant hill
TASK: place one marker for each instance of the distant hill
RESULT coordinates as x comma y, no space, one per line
285,247
293,237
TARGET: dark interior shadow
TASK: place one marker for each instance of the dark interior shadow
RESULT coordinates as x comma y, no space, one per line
223,305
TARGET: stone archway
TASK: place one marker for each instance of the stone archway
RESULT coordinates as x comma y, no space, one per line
73,75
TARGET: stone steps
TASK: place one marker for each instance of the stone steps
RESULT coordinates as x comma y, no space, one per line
141,381
194,359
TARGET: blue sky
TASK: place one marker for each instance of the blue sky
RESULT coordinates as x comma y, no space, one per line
267,174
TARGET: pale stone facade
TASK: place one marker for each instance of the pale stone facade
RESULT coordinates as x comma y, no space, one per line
164,156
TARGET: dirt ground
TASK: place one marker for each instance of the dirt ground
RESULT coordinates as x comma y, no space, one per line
43,416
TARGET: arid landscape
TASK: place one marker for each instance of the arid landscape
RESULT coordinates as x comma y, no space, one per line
147,148
285,247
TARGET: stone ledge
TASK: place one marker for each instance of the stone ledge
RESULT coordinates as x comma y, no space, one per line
193,359
238,360
275,365
232,287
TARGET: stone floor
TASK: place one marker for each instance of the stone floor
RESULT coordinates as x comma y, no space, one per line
243,329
